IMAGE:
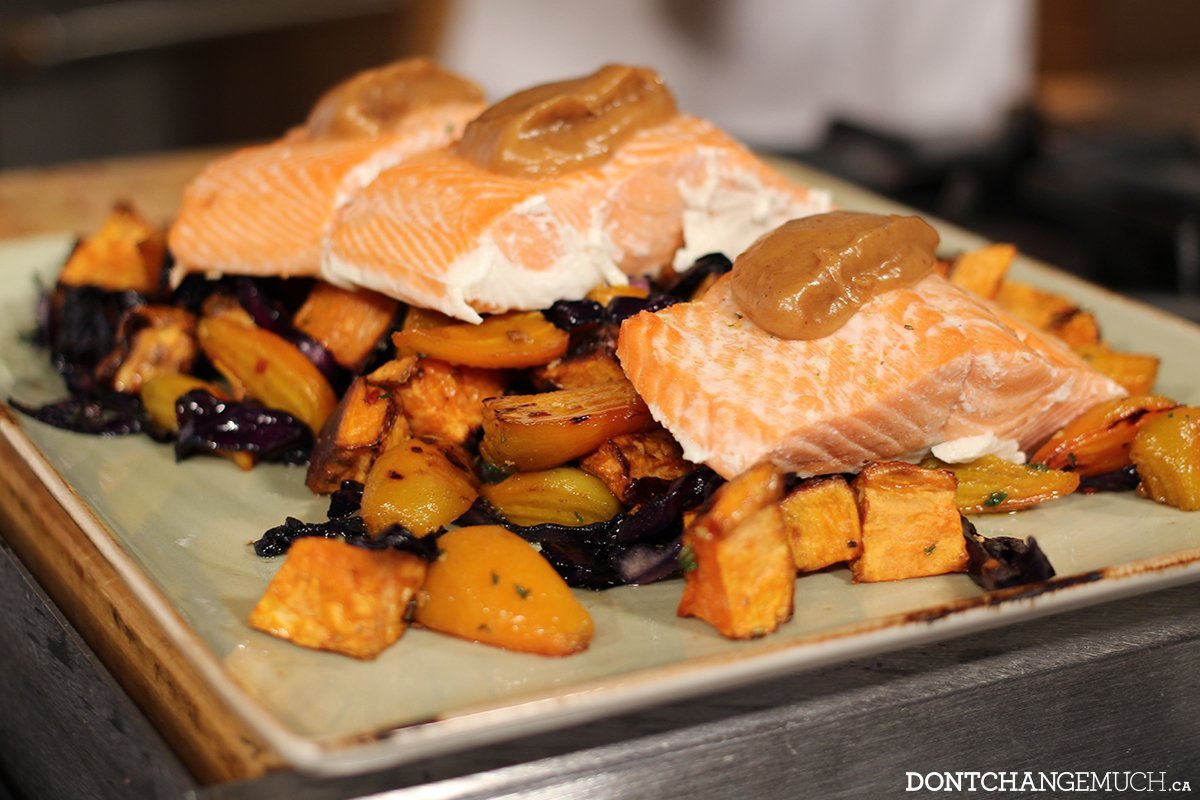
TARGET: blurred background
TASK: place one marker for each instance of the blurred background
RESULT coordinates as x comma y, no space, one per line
1069,127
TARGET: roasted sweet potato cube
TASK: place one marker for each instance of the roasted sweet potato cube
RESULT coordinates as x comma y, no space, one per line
446,400
982,271
152,340
624,460
911,527
539,431
738,571
368,419
578,371
126,253
821,518
348,322
329,595
1135,372
1078,329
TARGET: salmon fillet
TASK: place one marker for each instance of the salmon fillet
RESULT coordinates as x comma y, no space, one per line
913,369
442,232
266,210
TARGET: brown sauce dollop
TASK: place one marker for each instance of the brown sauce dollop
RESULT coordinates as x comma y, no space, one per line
374,100
568,125
804,279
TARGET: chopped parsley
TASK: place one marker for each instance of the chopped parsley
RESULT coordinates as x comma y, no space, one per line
929,550
495,578
522,592
687,559
1038,467
995,498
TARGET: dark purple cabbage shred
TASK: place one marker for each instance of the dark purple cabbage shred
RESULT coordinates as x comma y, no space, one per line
346,500
1125,479
687,282
636,546
621,308
1002,561
82,329
79,324
344,522
208,424
270,317
571,314
108,414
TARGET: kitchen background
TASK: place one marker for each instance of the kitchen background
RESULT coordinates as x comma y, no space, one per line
1077,138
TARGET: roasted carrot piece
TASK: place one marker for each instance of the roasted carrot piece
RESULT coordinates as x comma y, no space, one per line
911,527
539,431
1135,372
505,341
606,294
982,271
1038,307
348,322
1098,441
738,570
329,595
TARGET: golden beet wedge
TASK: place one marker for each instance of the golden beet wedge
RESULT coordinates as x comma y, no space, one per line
539,431
489,585
992,485
506,341
420,484
564,495
1166,452
268,368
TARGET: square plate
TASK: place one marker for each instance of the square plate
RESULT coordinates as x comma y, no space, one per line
179,536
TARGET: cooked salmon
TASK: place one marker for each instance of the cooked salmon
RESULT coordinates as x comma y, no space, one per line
266,210
912,369
443,232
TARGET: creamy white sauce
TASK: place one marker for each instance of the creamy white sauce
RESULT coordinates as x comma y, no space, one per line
969,448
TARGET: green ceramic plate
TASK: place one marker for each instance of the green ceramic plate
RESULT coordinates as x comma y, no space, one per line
179,535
